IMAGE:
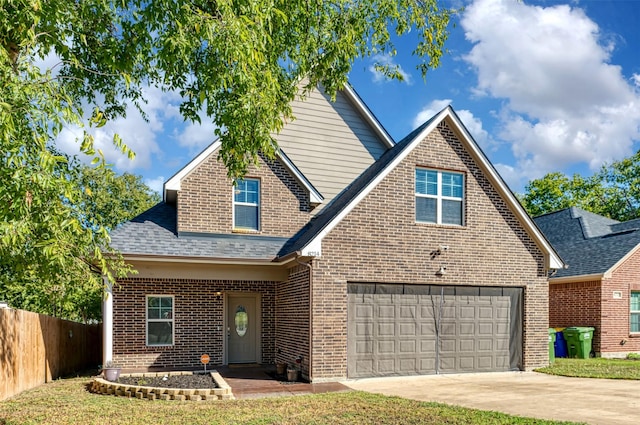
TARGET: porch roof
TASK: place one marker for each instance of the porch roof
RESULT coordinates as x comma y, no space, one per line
154,233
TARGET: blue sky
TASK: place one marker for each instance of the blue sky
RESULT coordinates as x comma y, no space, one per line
541,85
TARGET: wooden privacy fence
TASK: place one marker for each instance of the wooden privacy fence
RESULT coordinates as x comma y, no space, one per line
35,349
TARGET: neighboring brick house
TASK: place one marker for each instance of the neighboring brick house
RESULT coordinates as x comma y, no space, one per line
357,255
601,286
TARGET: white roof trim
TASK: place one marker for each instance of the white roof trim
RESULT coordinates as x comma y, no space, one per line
368,115
314,196
609,272
174,183
313,247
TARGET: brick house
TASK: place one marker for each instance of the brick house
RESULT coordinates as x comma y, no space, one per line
357,255
601,286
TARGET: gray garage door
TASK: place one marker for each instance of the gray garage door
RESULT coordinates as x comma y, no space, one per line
396,329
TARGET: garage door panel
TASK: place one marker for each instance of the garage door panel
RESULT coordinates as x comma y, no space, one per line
386,329
392,333
406,329
364,347
408,312
408,346
386,347
386,312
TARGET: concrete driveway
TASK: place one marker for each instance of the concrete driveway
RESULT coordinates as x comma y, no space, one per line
536,395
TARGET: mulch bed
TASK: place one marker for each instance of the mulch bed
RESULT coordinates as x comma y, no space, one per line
195,381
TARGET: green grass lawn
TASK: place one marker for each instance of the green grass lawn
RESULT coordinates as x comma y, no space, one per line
69,402
595,368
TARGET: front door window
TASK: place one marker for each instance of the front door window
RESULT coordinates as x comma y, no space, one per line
241,321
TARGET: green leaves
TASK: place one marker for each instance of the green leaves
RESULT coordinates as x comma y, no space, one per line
613,192
236,63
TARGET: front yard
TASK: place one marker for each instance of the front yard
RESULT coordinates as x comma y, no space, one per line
68,401
595,368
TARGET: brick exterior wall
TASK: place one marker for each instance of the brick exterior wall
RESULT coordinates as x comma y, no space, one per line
205,201
379,241
198,321
616,336
592,304
292,318
576,304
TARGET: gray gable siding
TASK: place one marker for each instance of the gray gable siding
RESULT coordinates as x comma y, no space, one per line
330,142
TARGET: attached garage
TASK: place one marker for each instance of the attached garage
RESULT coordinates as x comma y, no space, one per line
403,329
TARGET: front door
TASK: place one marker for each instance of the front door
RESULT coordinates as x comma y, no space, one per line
242,328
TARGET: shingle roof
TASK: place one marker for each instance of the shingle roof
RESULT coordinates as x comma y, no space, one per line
153,233
587,242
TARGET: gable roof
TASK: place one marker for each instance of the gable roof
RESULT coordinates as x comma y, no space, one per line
308,242
591,245
174,183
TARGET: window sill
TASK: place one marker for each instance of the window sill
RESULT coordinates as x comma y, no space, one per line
634,335
246,231
450,226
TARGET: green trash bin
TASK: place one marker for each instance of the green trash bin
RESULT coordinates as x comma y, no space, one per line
552,345
578,341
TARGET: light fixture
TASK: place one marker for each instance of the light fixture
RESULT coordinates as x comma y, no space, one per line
442,271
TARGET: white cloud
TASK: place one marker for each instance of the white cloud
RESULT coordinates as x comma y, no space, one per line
155,184
472,123
138,134
565,103
387,60
195,136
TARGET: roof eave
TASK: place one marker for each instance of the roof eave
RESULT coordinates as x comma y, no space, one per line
206,260
577,279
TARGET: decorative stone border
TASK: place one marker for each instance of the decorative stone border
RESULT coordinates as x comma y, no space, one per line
223,392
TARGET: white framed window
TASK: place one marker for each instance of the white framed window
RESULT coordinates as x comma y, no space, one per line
246,205
160,327
439,197
634,313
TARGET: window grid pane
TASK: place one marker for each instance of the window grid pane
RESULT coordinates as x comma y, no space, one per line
452,185
426,210
635,322
160,320
451,212
439,197
426,182
635,301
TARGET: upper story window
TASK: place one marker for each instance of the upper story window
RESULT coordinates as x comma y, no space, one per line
635,312
246,205
159,319
439,197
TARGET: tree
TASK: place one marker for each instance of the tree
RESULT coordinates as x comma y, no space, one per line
109,199
556,191
240,62
106,199
613,192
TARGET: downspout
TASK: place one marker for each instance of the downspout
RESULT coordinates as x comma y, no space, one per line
310,267
107,321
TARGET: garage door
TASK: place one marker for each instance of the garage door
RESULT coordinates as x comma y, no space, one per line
396,329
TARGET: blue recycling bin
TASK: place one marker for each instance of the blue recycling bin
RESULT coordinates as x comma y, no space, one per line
560,345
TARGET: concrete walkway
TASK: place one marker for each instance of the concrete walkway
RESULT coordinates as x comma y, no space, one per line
536,395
